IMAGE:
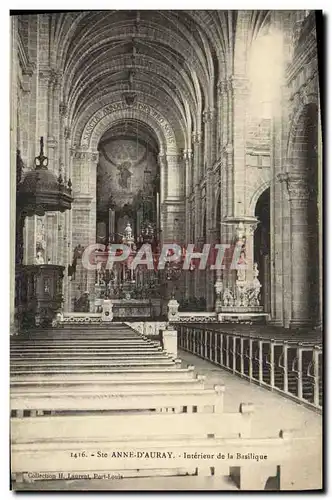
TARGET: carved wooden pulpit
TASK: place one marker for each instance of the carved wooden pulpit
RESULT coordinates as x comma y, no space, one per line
38,294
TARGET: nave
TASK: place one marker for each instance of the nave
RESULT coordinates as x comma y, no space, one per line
84,389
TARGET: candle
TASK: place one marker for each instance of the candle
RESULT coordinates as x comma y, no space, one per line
157,224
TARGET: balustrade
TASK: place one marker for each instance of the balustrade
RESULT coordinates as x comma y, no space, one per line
291,368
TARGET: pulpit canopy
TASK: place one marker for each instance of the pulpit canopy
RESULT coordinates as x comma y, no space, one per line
41,191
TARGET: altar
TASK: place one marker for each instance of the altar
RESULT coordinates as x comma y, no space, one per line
130,309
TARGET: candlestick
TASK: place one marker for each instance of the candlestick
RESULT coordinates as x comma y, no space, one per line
157,223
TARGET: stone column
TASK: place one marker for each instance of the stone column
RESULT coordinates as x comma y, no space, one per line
210,274
298,190
84,214
196,137
162,163
187,155
13,147
320,217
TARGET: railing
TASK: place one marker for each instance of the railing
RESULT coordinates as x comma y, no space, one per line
292,368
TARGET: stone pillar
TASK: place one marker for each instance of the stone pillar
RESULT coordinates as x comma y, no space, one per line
84,213
187,156
210,275
162,163
298,190
240,94
68,249
320,217
196,138
13,147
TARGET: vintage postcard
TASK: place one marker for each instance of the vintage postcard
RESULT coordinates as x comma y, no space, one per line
166,237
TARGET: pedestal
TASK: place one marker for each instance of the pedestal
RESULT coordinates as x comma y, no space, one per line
107,312
170,342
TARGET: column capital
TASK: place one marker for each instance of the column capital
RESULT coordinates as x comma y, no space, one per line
196,137
187,154
297,186
51,142
222,87
47,76
67,133
208,115
63,109
239,84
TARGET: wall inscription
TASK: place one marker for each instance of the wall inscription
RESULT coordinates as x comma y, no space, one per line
121,106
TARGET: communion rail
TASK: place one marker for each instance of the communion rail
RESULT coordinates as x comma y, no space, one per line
292,368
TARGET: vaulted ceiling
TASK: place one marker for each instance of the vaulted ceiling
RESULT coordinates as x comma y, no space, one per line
172,59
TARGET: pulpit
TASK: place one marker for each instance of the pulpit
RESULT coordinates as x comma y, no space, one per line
38,294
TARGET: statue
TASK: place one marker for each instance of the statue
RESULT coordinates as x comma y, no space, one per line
240,235
124,175
128,231
228,298
173,309
256,286
39,259
241,267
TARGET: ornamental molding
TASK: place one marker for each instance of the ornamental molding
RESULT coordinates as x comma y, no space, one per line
208,115
27,66
63,109
239,84
121,107
222,87
303,95
85,155
47,75
308,53
196,137
187,154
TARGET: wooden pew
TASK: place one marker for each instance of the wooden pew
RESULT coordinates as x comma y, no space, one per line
22,387
110,374
166,442
124,395
62,400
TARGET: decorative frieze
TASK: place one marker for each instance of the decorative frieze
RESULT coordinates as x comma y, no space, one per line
85,156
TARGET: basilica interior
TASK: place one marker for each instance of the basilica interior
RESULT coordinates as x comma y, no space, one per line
153,128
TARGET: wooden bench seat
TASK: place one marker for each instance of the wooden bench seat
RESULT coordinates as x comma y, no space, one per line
46,385
94,375
62,400
119,444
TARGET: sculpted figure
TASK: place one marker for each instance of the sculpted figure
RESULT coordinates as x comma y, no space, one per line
39,259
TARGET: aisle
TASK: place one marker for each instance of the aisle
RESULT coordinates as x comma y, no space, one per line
272,413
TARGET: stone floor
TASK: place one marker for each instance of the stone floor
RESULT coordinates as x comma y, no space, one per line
272,413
